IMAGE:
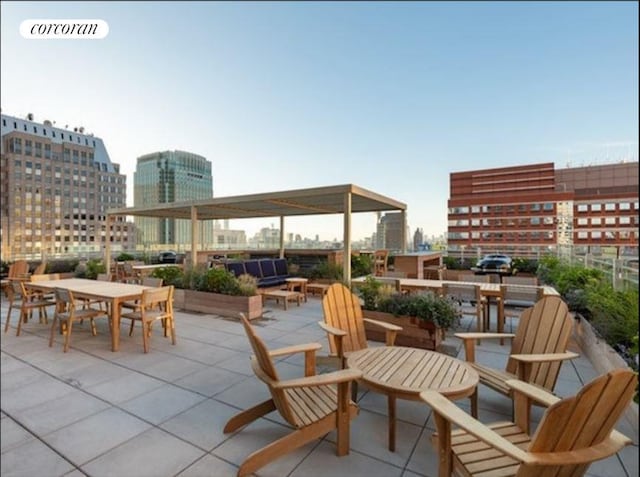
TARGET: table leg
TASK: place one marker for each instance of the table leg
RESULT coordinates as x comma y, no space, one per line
392,422
115,325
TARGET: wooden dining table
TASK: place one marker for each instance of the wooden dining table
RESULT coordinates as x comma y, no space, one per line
403,373
113,293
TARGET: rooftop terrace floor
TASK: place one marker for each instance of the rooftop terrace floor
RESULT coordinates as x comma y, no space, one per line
98,413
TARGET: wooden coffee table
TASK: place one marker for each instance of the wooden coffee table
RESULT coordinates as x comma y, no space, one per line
403,373
317,287
283,295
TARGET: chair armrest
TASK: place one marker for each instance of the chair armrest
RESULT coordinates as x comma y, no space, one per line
534,392
301,348
482,336
612,444
543,358
452,413
335,377
331,329
382,324
469,341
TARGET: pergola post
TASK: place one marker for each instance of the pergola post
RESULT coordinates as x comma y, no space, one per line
346,259
107,244
282,236
194,237
403,232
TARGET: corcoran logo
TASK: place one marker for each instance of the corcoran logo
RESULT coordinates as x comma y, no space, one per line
64,29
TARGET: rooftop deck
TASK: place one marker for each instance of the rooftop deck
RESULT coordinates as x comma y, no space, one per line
98,413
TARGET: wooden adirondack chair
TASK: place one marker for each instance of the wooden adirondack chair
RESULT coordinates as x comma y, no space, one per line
573,432
313,405
344,323
537,349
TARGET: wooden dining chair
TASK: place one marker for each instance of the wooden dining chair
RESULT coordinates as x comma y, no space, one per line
573,432
538,349
27,300
18,269
468,300
514,299
135,305
155,304
313,405
380,262
67,312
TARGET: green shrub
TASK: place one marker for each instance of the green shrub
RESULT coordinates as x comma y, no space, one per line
62,266
614,314
369,292
94,268
247,285
361,265
326,270
219,280
170,276
424,306
453,263
125,257
524,265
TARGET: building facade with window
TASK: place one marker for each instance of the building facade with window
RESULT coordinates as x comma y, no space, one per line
172,176
389,231
56,186
533,209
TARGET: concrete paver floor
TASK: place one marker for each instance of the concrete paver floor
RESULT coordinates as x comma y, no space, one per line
98,413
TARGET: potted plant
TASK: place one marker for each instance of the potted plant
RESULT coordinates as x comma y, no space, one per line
423,317
213,290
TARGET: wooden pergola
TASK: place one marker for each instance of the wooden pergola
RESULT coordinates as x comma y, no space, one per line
340,199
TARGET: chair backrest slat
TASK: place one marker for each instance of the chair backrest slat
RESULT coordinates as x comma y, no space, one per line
462,291
544,328
342,310
584,420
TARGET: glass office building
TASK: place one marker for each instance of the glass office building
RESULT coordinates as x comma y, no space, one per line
165,177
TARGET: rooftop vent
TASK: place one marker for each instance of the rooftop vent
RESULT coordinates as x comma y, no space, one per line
30,116
46,122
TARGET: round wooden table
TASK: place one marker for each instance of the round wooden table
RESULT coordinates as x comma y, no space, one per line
403,373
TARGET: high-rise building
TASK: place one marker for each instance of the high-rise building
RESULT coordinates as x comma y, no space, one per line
56,186
389,231
525,210
171,176
418,239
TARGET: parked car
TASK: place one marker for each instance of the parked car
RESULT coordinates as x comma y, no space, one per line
168,257
494,263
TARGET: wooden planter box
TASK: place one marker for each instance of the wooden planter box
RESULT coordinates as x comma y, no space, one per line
218,304
415,333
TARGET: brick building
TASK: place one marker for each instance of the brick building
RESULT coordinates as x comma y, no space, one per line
532,209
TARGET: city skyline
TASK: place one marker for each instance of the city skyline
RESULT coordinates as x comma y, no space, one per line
391,97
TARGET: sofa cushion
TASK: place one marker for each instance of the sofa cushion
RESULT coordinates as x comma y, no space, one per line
268,268
237,268
253,268
281,267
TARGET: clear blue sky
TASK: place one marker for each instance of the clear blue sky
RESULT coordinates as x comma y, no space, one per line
391,96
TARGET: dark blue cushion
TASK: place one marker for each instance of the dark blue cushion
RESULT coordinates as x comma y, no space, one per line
237,268
268,268
253,268
281,266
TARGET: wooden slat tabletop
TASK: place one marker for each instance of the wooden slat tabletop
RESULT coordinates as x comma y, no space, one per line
409,371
